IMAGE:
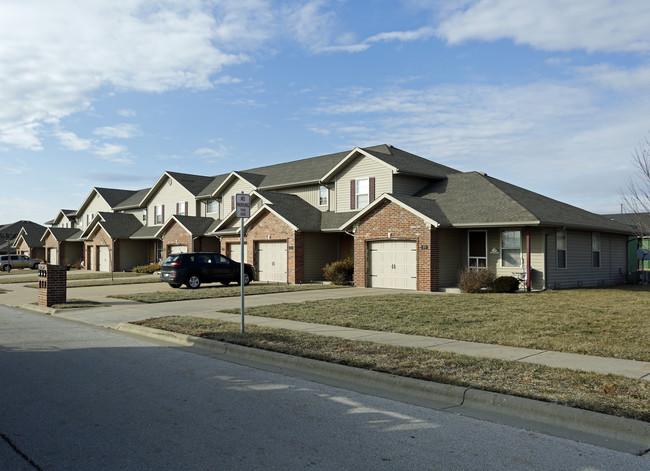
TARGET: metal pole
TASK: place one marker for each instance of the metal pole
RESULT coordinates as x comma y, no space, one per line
241,273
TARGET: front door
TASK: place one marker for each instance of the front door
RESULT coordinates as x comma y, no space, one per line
477,250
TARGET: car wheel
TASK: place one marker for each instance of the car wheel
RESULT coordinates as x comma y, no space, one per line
35,266
247,279
225,283
7,268
193,282
175,285
4,267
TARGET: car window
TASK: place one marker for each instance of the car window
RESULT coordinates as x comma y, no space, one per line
24,257
203,258
222,259
171,258
15,257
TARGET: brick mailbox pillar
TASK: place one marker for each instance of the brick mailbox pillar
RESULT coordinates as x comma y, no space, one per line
51,284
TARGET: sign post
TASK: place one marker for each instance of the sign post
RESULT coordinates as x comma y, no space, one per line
243,207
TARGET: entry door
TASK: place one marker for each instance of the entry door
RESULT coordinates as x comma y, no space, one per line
91,262
477,250
51,256
104,258
272,261
393,264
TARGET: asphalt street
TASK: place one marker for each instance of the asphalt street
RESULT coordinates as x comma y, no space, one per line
76,397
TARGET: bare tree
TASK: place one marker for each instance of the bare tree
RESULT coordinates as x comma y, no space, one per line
636,201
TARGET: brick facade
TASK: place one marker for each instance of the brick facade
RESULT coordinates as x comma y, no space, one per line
269,228
389,221
177,235
98,239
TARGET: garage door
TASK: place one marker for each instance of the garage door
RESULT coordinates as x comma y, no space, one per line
234,252
104,259
51,256
176,249
393,264
272,261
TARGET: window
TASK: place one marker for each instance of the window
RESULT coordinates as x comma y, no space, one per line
560,246
181,208
159,214
322,196
89,219
212,206
510,248
363,193
144,216
595,250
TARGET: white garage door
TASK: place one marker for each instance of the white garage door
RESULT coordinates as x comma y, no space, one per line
51,257
272,261
235,252
173,249
104,259
393,264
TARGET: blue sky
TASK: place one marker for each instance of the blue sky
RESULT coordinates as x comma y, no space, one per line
550,95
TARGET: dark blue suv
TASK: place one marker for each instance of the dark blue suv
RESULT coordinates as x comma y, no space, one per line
192,269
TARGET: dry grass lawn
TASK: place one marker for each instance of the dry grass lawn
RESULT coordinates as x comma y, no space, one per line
603,322
608,394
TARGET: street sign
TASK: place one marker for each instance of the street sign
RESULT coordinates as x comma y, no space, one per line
243,205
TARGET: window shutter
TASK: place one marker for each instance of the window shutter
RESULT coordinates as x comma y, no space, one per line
353,195
163,213
177,208
371,189
232,203
187,209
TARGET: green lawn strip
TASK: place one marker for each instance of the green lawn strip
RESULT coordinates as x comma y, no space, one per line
601,322
78,303
77,275
609,394
182,294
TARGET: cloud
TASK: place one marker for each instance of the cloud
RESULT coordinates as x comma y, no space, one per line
113,153
212,153
53,59
119,131
553,25
73,142
127,113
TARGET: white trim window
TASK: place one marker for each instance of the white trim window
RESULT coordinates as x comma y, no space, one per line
510,248
144,216
323,196
159,214
595,250
212,207
89,219
181,208
560,248
362,193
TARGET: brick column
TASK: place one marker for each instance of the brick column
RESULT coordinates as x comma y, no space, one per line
51,284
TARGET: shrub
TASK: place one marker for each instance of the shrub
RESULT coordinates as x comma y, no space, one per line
340,272
151,268
505,284
473,281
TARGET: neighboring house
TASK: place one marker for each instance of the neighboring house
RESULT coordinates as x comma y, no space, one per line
63,246
408,223
67,218
640,223
10,232
29,241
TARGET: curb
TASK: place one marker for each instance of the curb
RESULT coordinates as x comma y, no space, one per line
617,433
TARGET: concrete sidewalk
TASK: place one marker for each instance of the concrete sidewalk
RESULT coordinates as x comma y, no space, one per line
126,311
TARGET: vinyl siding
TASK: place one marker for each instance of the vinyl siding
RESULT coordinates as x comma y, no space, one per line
310,194
579,271
169,195
405,185
361,167
451,256
320,249
96,205
237,186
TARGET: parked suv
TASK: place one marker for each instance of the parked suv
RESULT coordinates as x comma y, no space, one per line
192,269
9,262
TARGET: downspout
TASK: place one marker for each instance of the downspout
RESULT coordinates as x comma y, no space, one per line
528,270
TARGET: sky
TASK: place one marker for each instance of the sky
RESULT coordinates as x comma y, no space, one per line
550,95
